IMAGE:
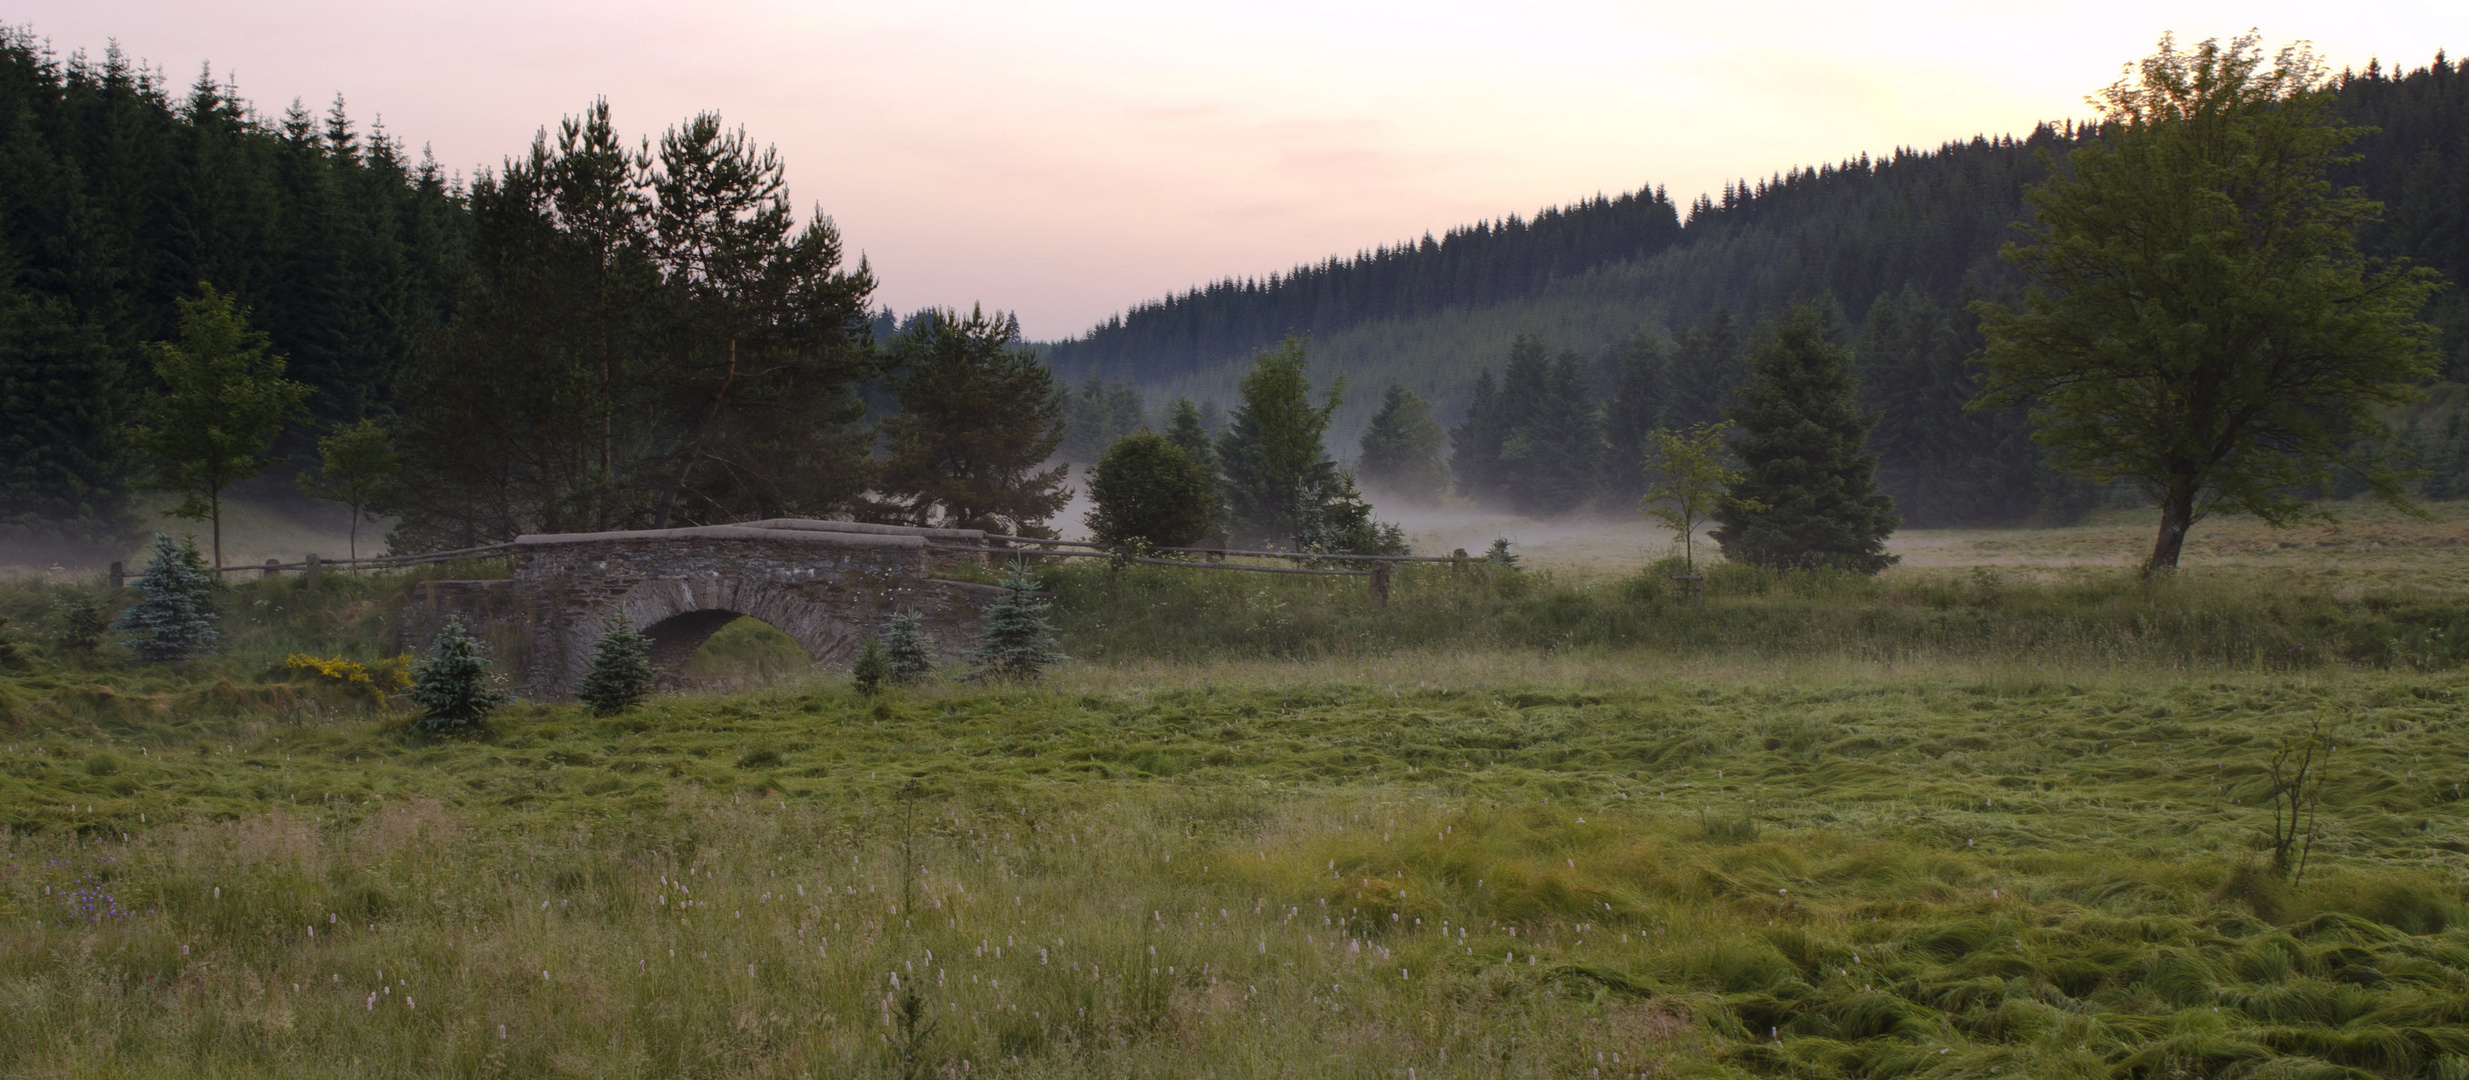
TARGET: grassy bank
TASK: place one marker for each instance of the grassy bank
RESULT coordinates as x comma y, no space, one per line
2090,617
1740,872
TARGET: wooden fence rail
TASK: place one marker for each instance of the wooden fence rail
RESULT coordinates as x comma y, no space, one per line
121,577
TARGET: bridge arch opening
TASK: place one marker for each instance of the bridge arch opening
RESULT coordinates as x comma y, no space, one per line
722,648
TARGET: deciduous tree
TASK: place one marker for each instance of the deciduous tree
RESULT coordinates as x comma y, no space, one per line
224,399
2203,325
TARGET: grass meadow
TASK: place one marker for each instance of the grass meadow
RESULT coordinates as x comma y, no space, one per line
1961,821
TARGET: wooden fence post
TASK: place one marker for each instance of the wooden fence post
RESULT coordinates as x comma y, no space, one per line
308,571
1380,582
119,576
273,567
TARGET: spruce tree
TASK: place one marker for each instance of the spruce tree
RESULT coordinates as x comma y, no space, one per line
1401,449
1188,427
621,674
868,674
82,626
908,656
174,616
1018,642
451,685
1807,496
1474,444
1633,413
1272,451
1705,372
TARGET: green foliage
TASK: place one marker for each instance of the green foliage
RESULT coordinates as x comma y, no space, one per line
1096,415
1640,386
1401,449
2252,362
1695,474
1533,444
908,656
174,616
1942,463
1500,556
1807,494
978,418
82,625
1018,642
868,675
1272,446
646,337
621,675
1706,371
452,686
1147,489
1189,430
223,401
356,466
1330,516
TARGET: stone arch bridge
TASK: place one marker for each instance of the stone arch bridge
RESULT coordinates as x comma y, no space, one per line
826,584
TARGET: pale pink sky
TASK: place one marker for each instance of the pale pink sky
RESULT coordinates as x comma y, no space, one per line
1066,160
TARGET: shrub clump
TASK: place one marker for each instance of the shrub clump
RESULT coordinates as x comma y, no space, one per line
1147,489
621,674
174,617
451,686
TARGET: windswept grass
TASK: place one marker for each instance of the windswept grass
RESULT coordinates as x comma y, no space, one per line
1953,873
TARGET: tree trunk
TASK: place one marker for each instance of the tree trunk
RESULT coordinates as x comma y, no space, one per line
2177,514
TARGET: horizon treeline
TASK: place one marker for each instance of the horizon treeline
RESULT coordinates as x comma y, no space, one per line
1845,235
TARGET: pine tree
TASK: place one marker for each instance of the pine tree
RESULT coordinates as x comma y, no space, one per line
907,654
979,417
451,685
1018,642
1807,496
173,618
1400,449
621,674
868,673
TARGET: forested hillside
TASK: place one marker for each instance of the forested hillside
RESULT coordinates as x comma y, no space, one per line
1894,245
119,195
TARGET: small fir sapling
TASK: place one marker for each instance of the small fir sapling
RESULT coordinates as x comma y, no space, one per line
907,655
82,626
870,671
621,674
451,686
1500,553
1018,642
174,616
